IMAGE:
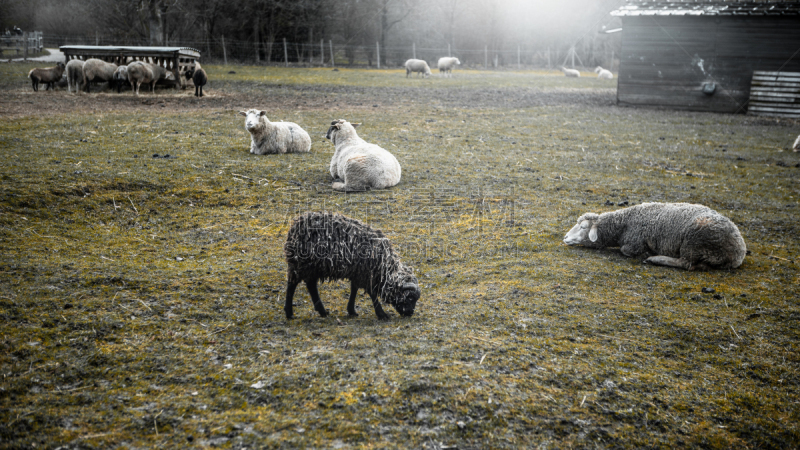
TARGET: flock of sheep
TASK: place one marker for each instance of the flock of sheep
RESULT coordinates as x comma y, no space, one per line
80,74
325,246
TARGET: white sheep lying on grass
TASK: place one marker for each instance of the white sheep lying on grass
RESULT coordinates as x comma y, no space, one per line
274,137
358,165
570,73
446,64
417,65
603,73
683,235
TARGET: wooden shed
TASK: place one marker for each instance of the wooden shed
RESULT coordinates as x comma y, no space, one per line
700,55
175,59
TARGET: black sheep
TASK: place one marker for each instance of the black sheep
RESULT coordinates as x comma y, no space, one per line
325,246
198,77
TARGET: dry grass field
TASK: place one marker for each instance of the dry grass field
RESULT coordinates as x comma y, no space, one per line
142,273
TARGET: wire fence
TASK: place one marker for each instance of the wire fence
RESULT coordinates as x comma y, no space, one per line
329,53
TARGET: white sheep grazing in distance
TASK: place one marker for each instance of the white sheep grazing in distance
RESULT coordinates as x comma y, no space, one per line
268,138
796,146
446,64
358,165
145,73
97,70
570,73
603,73
417,65
75,75
682,235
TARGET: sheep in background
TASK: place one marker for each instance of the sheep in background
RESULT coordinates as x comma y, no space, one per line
683,235
75,75
198,77
796,146
145,73
417,65
274,137
97,70
48,76
570,73
603,73
120,77
325,246
358,165
446,64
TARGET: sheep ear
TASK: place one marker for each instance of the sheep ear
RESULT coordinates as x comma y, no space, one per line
243,113
355,125
593,233
262,113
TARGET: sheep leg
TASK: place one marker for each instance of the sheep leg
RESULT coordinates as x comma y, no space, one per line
311,285
661,260
378,308
351,304
291,285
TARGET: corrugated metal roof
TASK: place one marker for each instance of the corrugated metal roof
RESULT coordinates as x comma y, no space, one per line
709,8
115,48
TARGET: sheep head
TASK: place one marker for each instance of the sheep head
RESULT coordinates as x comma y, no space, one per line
402,291
340,126
585,232
253,119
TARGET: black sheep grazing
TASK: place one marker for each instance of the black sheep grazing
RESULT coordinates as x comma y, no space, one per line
325,246
198,77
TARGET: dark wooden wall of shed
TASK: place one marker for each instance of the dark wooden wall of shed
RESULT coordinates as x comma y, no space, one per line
665,60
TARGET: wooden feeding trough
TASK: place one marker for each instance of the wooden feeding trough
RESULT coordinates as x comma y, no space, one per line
175,59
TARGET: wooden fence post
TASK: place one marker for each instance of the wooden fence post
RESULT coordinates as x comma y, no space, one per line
414,50
333,59
25,45
224,52
485,56
378,51
285,53
322,52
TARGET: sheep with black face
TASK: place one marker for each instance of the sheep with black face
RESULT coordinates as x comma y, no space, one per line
329,246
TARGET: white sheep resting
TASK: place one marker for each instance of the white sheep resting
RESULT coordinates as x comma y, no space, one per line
570,73
358,165
603,73
683,235
75,75
417,65
274,137
446,64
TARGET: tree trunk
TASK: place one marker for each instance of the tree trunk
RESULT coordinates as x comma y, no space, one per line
154,21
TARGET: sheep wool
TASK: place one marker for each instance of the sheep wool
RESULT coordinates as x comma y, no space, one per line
75,75
120,77
682,235
417,65
49,76
570,73
603,73
358,165
97,70
446,64
796,146
145,73
330,246
267,138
